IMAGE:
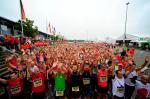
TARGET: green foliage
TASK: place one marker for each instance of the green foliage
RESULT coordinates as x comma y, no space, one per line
29,29
57,37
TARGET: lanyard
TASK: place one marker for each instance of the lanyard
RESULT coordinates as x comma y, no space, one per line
119,83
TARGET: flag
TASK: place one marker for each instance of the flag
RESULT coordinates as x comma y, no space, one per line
49,27
23,16
53,30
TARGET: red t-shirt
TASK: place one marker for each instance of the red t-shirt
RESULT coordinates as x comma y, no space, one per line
16,40
102,78
119,58
38,83
132,51
12,40
6,39
16,86
13,61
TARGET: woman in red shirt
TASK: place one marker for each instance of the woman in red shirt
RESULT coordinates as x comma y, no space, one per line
15,85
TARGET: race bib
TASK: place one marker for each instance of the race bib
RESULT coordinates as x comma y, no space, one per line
120,89
2,91
15,90
103,78
75,89
37,82
59,93
86,81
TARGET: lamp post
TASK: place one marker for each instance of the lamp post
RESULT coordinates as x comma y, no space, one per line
126,23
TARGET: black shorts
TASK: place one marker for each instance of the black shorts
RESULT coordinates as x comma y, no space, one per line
40,95
17,97
116,97
102,90
87,90
75,94
4,96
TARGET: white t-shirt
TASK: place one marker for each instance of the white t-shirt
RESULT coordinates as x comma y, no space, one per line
128,79
142,89
118,87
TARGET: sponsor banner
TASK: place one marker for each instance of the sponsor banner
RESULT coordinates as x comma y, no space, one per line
25,46
41,43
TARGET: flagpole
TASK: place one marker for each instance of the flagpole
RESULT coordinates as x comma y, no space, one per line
21,20
124,40
22,28
46,28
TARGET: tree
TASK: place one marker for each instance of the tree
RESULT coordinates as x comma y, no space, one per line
29,29
57,37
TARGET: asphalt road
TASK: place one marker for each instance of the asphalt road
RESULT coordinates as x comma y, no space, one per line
140,55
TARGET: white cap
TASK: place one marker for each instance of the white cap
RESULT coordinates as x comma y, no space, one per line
33,68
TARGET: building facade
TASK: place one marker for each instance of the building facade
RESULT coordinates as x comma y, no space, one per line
6,26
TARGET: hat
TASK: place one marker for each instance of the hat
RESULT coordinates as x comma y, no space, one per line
33,68
120,64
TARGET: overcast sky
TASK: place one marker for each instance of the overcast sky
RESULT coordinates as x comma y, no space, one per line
84,19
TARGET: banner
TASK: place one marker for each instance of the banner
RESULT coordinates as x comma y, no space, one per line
25,46
39,43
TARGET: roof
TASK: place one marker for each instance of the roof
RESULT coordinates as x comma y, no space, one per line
6,19
128,37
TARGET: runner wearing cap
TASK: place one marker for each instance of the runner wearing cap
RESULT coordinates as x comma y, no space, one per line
38,84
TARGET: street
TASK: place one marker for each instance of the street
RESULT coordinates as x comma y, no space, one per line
139,56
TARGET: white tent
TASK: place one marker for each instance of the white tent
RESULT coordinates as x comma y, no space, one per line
128,37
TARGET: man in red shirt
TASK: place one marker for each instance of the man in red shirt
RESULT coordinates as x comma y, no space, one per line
38,84
15,85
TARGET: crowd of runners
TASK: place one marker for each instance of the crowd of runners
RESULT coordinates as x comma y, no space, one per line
76,71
